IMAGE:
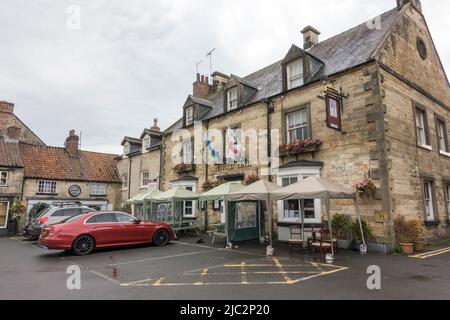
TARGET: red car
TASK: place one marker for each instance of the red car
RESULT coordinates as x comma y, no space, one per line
84,233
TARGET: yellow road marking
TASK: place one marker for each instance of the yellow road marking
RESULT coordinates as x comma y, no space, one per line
431,253
203,274
285,276
262,265
159,282
243,273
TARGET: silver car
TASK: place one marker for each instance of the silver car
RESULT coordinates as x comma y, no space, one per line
52,215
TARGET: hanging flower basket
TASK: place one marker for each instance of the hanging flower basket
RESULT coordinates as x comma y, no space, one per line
211,184
301,146
249,179
365,188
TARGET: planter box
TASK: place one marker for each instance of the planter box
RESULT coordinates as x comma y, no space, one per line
345,244
187,168
372,247
309,149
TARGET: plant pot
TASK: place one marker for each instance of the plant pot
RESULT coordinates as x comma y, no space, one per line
419,247
407,248
345,244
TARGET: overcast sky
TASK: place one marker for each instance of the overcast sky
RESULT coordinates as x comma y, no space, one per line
134,60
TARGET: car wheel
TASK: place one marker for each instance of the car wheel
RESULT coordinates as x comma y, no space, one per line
83,245
161,238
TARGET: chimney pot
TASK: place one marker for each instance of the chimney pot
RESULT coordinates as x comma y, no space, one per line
201,89
155,125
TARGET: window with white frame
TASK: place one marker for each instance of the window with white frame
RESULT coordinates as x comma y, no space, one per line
232,98
3,178
147,141
442,136
189,116
428,200
46,187
98,189
294,72
293,210
297,125
4,208
189,207
421,127
187,152
125,181
447,198
145,178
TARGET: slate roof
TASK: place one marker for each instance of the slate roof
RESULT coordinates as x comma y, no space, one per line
348,49
55,163
10,155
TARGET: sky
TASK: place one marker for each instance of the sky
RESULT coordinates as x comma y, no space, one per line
107,68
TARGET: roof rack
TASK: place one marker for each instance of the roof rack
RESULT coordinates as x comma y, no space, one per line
64,204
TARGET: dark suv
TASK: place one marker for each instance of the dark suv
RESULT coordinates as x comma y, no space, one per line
52,215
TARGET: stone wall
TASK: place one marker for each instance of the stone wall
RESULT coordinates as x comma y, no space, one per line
30,191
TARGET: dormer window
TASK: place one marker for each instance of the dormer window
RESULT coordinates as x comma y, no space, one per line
126,149
232,99
294,72
189,116
147,142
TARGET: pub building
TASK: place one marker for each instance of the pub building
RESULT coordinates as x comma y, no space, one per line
368,107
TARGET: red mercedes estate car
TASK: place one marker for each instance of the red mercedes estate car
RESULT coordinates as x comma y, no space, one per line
84,233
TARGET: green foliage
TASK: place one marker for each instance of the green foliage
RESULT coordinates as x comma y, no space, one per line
342,226
368,235
410,231
126,208
36,209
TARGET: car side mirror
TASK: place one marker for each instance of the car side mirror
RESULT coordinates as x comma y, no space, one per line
138,221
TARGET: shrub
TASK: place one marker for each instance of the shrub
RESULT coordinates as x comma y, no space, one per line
410,231
126,208
36,209
342,226
357,231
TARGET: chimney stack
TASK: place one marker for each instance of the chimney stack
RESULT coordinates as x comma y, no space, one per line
415,3
71,144
219,81
6,107
310,37
201,87
155,126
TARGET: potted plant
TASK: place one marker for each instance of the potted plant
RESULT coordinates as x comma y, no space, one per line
342,229
418,231
211,184
408,233
301,146
183,167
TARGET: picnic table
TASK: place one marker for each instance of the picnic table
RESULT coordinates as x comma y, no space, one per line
185,226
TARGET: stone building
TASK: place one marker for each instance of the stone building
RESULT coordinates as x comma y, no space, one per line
139,165
370,103
32,172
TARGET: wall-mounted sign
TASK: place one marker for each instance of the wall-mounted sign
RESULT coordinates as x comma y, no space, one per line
153,185
75,191
333,106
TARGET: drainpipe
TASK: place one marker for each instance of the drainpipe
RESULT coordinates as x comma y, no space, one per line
269,110
129,178
206,176
161,163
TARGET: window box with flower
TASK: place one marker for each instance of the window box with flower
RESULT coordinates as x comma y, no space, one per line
296,147
183,168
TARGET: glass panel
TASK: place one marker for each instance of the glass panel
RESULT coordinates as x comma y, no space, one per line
3,213
246,215
120,217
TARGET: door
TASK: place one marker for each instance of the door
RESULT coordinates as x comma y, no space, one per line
243,221
103,227
3,214
130,232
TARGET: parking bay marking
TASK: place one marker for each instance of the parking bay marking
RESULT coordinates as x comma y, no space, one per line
430,254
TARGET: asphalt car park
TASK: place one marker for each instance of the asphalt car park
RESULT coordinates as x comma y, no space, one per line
188,270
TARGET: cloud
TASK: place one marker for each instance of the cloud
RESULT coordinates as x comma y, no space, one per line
130,63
